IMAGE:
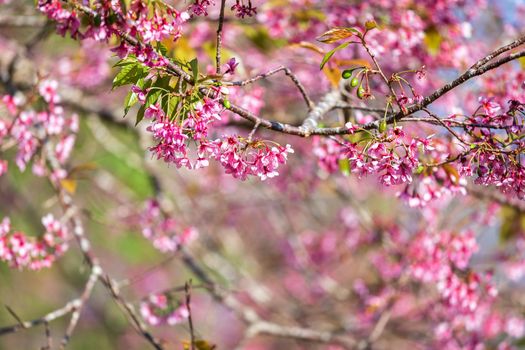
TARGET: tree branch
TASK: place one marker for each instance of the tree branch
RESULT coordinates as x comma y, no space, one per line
219,38
305,132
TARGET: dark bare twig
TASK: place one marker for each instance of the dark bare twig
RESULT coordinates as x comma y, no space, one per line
49,340
15,316
344,105
288,72
219,38
380,326
471,73
254,129
456,123
187,290
142,275
440,122
74,307
298,131
130,312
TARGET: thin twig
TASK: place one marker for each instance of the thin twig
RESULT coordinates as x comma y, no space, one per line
440,122
219,38
58,313
79,305
254,129
498,52
49,340
383,76
130,312
309,103
187,290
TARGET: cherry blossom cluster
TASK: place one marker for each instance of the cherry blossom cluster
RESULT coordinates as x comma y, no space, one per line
173,135
22,251
27,128
240,157
244,8
393,156
107,18
163,231
464,311
495,158
431,168
200,7
163,309
173,138
442,259
478,330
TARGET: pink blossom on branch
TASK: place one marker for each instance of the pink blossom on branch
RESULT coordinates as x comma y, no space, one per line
160,309
22,251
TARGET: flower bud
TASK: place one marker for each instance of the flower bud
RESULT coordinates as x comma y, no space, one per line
382,126
347,73
360,92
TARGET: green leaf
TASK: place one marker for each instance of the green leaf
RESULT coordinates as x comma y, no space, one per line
163,82
330,53
163,50
153,96
125,62
169,105
140,114
126,72
130,100
194,64
129,74
337,34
